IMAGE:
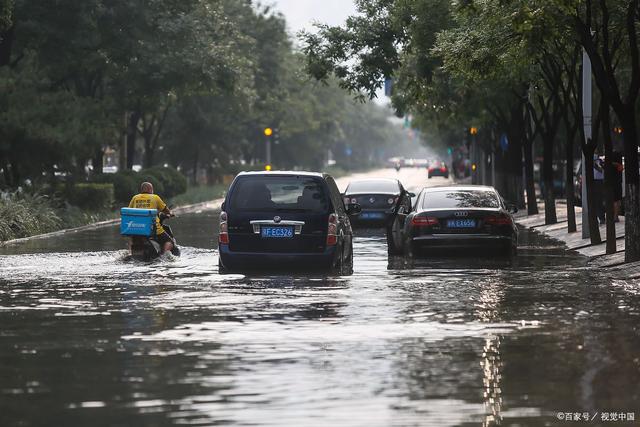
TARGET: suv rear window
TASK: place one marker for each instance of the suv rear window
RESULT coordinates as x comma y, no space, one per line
279,193
460,199
373,186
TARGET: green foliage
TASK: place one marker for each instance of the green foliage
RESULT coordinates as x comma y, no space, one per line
186,83
173,182
23,215
126,184
91,196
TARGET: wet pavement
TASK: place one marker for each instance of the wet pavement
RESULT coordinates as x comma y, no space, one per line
90,339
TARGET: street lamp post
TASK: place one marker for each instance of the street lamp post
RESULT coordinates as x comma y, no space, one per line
268,132
587,117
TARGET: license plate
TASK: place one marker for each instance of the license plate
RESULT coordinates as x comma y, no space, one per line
371,215
461,223
277,232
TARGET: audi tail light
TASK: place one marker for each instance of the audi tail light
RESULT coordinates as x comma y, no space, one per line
332,230
424,221
498,220
223,236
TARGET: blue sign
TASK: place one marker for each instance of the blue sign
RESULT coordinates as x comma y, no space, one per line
504,142
388,87
348,151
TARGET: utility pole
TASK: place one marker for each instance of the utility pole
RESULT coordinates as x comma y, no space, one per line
474,155
587,94
268,132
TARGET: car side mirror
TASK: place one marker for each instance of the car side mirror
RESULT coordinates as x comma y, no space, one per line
512,208
412,195
354,209
223,206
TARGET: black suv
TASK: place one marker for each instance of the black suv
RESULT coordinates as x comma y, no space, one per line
285,220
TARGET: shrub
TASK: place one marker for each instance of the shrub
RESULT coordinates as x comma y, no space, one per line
173,182
126,184
158,186
91,196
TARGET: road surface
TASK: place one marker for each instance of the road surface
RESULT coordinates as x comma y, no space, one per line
89,339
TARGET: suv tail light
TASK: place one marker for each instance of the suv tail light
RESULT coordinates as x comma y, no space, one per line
424,221
332,230
443,169
498,220
224,229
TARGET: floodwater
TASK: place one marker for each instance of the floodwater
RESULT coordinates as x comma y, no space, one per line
88,339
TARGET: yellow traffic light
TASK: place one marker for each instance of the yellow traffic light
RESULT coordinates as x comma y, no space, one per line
268,132
473,131
267,168
474,167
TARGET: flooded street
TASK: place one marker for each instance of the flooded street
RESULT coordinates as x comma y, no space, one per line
89,339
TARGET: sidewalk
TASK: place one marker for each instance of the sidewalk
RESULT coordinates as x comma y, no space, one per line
574,241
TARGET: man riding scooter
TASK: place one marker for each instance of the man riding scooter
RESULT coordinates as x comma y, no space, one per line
147,200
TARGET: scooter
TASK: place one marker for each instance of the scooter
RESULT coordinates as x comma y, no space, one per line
147,248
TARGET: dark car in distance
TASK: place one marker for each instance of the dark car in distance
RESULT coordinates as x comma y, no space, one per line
285,220
378,198
438,168
460,217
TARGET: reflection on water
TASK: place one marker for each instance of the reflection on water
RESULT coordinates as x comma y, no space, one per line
442,341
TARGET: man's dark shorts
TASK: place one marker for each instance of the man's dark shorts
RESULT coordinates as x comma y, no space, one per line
163,238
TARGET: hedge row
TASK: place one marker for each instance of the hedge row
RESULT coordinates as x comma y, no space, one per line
167,183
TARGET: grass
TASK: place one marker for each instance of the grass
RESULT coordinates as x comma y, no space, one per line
199,194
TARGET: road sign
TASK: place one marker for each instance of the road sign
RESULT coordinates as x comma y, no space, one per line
504,142
388,87
348,151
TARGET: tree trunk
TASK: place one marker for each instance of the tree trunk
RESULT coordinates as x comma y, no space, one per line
149,150
98,160
594,228
196,161
132,133
632,196
550,216
532,201
571,210
609,182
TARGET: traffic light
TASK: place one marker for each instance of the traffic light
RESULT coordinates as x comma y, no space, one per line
267,168
473,131
268,132
618,130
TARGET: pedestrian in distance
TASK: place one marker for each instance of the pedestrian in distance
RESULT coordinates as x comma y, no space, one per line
618,168
598,187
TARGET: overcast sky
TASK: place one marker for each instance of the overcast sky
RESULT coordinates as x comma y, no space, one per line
301,14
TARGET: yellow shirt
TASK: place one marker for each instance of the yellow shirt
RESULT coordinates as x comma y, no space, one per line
149,201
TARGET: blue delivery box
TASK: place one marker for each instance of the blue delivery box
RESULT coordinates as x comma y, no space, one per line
138,222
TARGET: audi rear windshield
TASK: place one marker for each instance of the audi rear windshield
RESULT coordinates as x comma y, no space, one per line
458,199
373,186
279,194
